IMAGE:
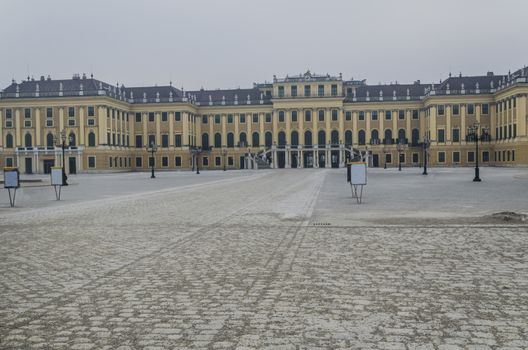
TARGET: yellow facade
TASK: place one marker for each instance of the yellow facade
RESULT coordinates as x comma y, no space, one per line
300,121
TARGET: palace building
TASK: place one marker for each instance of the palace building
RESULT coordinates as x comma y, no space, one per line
299,121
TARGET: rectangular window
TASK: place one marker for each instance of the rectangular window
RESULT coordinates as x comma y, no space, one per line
27,113
9,113
441,110
230,161
471,109
268,117
49,123
139,162
27,123
307,90
471,156
320,90
294,116
151,116
164,116
334,90
321,115
255,118
334,115
71,122
91,162
456,109
91,122
348,116
204,119
218,161
49,112
456,157
177,161
307,116
165,140
205,161
388,158
177,140
513,154
441,135
177,116
217,118
456,135
415,158
165,161
242,119
401,114
91,111
485,108
361,115
139,141
294,90
71,112
281,91
281,116
374,115
9,162
514,131
485,156
441,157
388,115
415,114
138,117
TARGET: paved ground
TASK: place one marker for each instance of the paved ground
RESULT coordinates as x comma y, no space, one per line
270,259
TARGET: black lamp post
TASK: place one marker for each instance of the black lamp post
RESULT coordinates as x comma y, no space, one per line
475,132
196,153
400,147
60,139
224,153
152,149
425,148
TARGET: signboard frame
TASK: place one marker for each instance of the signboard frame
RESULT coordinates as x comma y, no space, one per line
57,180
11,182
357,176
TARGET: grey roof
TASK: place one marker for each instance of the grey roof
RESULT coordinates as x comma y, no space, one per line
228,97
473,83
400,91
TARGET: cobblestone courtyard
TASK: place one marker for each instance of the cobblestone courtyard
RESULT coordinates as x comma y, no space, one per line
267,259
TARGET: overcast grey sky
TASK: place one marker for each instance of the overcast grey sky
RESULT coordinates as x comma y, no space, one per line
231,43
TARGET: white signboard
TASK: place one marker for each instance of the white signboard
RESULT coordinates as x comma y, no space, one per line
56,177
359,173
11,178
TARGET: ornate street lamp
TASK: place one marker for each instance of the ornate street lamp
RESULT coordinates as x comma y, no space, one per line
60,140
385,151
224,154
400,147
152,148
475,132
426,145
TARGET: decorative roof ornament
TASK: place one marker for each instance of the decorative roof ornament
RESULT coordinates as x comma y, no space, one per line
236,99
210,100
131,95
368,93
100,85
492,84
223,100
477,85
144,97
81,92
381,93
408,92
170,96
248,99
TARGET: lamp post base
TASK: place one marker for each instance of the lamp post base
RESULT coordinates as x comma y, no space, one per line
477,177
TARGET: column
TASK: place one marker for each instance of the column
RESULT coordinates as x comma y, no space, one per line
300,158
211,133
395,125
287,157
145,129
224,130
432,123
381,118
327,156
463,130
368,116
38,129
477,112
316,157
300,118
185,129
355,129
61,119
287,115
448,123
1,127
81,126
275,127
328,126
341,119
157,118
171,129
111,126
18,131
101,124
408,130
262,138
197,130
249,129
131,129
493,121
237,134
522,105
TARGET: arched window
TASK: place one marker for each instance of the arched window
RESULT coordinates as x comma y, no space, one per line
205,141
218,140
294,138
401,136
255,139
282,138
268,139
91,139
28,140
334,137
361,137
321,138
50,141
348,138
243,139
415,136
71,139
388,137
9,141
230,140
374,136
308,138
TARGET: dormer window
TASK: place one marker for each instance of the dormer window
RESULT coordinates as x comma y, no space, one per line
294,90
320,90
334,89
281,91
307,90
